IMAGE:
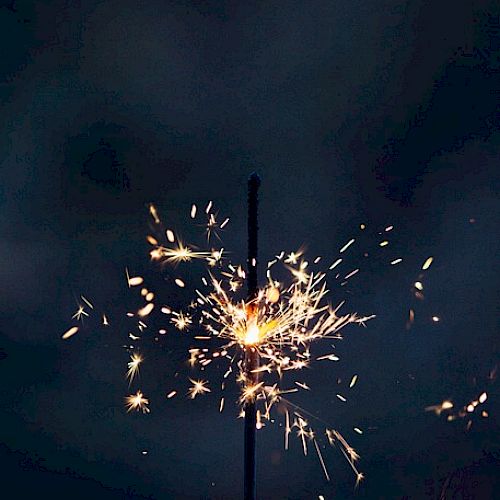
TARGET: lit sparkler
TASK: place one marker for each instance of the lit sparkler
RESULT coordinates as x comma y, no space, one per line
259,340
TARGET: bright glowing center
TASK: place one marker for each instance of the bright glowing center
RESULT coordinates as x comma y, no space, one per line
252,335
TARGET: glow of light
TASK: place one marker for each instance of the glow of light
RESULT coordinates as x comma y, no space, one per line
252,335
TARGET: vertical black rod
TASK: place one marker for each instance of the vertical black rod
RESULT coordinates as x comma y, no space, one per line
251,355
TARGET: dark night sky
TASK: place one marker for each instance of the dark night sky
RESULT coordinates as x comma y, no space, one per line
376,111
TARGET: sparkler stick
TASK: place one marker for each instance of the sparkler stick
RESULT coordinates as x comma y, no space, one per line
251,353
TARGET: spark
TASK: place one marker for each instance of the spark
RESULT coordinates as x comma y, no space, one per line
193,211
293,257
154,213
170,235
181,321
87,302
70,332
335,264
180,283
137,402
352,273
383,243
105,320
146,310
347,245
171,394
180,253
439,408
427,263
353,381
199,387
320,456
133,366
79,313
135,281
396,261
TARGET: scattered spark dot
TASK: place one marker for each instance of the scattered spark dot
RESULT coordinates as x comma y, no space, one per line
362,226
193,211
354,379
418,285
180,283
483,397
209,206
358,430
137,280
70,332
435,319
146,310
171,394
341,398
154,213
170,235
352,273
396,261
383,243
105,320
427,263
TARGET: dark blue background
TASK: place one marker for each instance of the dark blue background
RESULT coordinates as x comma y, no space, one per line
376,111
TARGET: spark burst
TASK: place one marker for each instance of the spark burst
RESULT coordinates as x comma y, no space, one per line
137,402
279,324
